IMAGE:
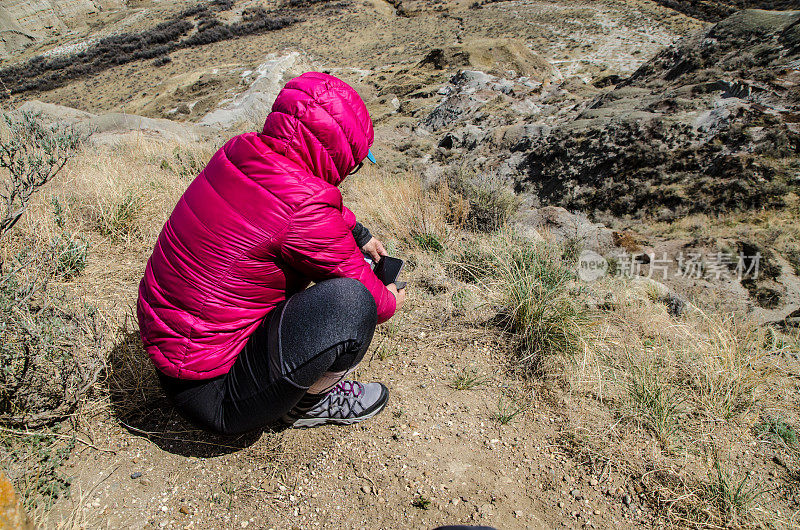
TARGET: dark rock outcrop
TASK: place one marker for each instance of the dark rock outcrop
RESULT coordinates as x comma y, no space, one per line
709,125
715,10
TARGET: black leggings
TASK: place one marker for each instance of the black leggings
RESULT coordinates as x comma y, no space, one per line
327,327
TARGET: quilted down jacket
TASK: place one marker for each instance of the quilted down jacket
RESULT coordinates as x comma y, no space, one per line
258,224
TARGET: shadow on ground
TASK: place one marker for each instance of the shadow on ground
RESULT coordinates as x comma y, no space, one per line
140,406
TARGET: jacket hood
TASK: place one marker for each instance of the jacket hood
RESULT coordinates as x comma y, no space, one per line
321,122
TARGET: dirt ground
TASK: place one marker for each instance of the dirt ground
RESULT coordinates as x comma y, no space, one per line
439,447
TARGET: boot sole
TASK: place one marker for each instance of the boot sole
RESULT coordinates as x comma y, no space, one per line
374,410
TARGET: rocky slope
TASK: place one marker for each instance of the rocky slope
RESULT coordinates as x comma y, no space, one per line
22,23
709,125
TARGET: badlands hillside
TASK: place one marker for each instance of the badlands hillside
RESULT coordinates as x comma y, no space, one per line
597,201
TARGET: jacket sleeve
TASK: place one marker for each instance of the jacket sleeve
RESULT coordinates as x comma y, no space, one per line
318,243
361,234
349,217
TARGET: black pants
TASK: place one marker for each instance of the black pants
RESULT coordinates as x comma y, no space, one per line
327,327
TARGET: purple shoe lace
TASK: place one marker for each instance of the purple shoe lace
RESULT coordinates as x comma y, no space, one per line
347,388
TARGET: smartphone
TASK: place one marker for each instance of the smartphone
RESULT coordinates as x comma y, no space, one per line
388,269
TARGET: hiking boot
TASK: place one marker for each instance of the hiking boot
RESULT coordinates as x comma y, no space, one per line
347,403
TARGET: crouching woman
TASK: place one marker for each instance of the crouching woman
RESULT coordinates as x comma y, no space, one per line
239,339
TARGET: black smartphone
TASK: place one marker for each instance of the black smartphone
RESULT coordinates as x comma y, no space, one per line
388,269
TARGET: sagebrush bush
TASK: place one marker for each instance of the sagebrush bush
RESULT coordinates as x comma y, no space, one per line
49,341
49,344
222,5
47,73
31,154
778,429
33,463
162,60
491,202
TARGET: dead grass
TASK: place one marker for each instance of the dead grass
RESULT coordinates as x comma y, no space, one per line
410,216
682,392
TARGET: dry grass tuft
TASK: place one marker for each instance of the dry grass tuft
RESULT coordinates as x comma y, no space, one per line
536,284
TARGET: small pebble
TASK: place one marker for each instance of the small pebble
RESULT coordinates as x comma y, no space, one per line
626,500
136,474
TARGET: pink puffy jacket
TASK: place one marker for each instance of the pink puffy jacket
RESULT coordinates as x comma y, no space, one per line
262,220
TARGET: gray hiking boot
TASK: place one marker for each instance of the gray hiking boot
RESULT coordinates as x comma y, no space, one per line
348,402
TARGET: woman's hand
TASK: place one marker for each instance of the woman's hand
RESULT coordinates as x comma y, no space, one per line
400,295
375,249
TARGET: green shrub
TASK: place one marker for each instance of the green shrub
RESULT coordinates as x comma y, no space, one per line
33,462
49,345
535,283
427,241
70,252
460,299
421,502
31,154
49,342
